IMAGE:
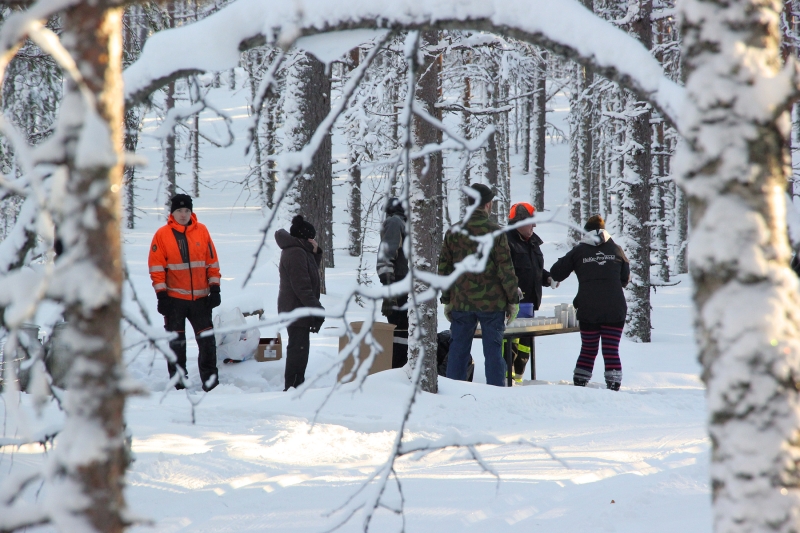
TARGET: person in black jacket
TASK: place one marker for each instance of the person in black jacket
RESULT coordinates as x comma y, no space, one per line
602,270
299,287
528,259
392,266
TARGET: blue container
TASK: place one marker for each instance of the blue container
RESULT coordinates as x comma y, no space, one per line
525,311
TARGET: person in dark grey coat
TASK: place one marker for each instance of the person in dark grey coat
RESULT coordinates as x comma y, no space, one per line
392,266
603,271
299,287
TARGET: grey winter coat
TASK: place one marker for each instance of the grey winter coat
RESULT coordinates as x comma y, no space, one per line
299,276
391,258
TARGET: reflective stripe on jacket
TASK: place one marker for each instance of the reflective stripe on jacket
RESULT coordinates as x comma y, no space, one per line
171,272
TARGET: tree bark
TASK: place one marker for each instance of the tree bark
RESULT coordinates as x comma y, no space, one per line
308,103
95,400
354,199
636,187
466,131
733,168
575,163
540,133
424,204
170,172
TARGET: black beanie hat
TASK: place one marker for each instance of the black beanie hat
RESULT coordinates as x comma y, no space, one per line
594,223
487,194
179,201
302,229
395,207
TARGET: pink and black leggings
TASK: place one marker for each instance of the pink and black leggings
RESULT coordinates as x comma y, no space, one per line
591,336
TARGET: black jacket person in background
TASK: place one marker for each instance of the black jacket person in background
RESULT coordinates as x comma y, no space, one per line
392,266
528,259
602,270
299,287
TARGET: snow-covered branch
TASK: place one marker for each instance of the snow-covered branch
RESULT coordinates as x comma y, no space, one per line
215,43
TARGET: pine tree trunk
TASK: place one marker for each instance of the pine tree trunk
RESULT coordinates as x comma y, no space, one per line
575,163
95,400
270,148
423,198
527,117
169,144
466,131
540,133
354,199
309,102
490,171
682,236
636,185
169,148
195,140
659,204
747,310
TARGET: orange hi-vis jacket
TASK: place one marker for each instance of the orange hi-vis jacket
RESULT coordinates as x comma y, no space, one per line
186,274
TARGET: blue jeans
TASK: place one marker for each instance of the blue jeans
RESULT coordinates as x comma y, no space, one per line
462,330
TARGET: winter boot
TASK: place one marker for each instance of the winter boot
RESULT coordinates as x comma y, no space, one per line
581,376
210,383
613,379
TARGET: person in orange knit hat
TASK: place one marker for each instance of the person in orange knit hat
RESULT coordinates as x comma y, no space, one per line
526,254
184,268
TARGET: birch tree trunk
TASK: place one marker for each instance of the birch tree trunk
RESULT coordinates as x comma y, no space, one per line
424,204
732,165
95,398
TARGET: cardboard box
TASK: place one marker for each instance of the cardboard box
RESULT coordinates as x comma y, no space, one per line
269,349
384,334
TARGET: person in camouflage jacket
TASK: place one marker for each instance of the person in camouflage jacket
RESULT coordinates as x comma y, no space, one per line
488,297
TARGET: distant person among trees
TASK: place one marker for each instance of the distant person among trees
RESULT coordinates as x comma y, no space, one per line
528,259
299,287
184,268
603,271
392,266
489,297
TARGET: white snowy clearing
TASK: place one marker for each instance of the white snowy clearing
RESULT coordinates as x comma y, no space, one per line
255,460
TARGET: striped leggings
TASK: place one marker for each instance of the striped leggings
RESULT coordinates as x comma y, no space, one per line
591,336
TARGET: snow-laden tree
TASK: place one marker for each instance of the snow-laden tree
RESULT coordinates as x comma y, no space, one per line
85,473
732,163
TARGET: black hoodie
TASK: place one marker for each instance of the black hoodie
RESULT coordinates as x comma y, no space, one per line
528,266
602,270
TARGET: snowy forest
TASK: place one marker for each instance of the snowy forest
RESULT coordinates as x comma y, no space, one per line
675,120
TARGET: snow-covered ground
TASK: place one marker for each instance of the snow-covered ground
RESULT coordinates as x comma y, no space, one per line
257,458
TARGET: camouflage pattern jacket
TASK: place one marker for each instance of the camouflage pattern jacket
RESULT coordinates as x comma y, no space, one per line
488,291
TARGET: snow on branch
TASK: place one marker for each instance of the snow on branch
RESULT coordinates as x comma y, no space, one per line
563,26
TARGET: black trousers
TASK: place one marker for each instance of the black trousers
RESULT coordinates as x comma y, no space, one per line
296,356
522,354
400,320
199,314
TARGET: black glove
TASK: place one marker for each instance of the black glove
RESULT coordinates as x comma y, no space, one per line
214,299
163,303
389,306
387,278
318,321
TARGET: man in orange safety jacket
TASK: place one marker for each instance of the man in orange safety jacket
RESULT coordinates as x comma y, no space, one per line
184,268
